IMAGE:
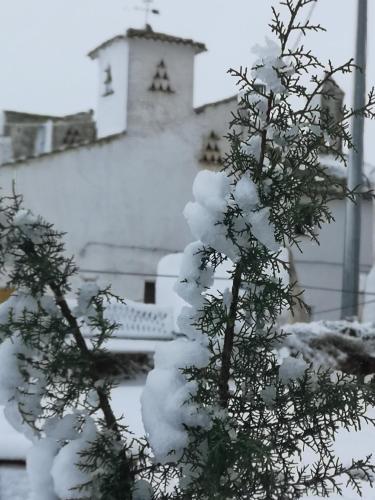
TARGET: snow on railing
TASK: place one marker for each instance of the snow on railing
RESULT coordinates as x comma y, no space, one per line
141,321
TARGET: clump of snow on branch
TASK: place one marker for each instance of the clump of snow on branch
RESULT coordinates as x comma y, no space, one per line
39,462
22,302
269,65
206,216
193,281
186,320
85,296
66,473
52,466
21,396
165,400
53,472
246,194
29,224
21,385
10,376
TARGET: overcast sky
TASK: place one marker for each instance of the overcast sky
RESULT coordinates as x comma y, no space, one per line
43,45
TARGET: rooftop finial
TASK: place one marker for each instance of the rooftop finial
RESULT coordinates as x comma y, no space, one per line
148,10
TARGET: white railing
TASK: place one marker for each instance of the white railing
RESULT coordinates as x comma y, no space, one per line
141,321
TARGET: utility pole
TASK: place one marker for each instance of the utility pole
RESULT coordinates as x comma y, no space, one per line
349,301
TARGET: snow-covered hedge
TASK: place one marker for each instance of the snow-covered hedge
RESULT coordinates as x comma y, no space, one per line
348,346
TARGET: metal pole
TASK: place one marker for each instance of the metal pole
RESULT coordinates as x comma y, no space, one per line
349,302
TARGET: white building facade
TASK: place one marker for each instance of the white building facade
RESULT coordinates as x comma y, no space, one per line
120,197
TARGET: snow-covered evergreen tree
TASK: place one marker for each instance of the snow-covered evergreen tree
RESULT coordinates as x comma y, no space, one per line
50,380
226,416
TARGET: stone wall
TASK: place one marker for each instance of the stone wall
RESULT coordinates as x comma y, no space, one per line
29,132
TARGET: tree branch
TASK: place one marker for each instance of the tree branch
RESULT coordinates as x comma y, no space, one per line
104,404
228,340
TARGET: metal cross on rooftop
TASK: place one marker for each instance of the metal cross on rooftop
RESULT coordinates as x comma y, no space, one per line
148,9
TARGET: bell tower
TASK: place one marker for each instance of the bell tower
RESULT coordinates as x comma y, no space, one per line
145,81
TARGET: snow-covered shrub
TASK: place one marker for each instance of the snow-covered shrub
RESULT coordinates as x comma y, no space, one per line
347,346
51,384
227,416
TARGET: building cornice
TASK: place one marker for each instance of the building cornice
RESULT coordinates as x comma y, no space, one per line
148,34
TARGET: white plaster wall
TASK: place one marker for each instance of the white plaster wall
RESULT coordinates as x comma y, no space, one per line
320,267
121,201
111,112
216,118
155,110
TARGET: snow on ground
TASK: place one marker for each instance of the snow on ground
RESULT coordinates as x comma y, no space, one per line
352,445
126,402
13,483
